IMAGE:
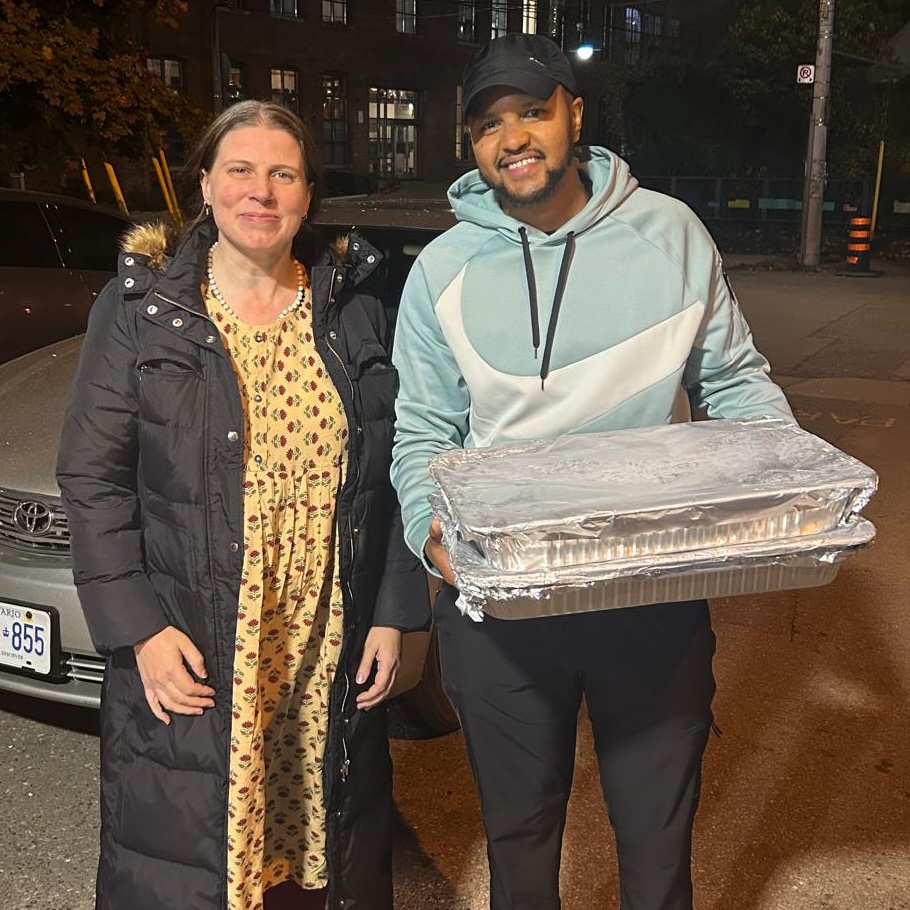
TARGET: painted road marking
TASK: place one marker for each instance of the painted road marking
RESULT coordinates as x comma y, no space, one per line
881,423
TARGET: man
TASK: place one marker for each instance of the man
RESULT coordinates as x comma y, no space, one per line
567,300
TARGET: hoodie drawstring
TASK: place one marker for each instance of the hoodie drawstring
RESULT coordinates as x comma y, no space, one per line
567,255
532,289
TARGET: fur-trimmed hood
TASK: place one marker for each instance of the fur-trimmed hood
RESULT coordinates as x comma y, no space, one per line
152,240
155,239
154,258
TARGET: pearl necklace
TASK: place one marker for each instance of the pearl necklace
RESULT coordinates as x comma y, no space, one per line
216,292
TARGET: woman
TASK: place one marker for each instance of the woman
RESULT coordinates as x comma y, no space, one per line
237,547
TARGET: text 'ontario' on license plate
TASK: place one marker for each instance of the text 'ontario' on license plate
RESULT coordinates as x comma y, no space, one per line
25,638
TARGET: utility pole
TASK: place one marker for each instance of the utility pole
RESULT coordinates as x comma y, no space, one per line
816,167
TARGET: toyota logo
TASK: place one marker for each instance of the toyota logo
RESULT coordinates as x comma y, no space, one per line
34,518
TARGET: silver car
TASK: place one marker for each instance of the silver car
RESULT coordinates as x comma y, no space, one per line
45,648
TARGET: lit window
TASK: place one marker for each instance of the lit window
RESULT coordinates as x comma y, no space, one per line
406,16
393,132
284,87
335,11
334,121
462,136
233,91
499,18
633,25
529,17
169,70
466,20
284,8
632,34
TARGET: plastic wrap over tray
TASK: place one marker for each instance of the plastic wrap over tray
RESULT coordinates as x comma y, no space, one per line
632,494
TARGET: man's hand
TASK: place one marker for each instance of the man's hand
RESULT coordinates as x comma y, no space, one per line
162,659
437,554
383,645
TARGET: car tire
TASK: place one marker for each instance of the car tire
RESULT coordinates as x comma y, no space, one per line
425,711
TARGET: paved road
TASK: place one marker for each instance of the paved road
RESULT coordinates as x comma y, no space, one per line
807,793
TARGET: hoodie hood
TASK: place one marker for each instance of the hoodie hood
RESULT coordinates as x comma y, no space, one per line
609,177
611,184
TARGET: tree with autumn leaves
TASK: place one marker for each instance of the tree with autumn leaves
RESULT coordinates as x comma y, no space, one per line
74,80
868,95
727,102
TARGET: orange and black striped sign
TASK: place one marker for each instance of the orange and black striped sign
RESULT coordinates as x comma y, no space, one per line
859,244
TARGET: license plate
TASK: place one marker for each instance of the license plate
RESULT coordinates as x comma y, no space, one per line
25,638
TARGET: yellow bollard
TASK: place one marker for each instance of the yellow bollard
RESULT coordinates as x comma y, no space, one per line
878,186
176,214
164,189
88,182
115,186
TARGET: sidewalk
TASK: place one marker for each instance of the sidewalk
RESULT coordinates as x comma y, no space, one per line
781,263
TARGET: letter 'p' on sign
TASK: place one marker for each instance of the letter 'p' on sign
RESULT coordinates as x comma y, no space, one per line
805,73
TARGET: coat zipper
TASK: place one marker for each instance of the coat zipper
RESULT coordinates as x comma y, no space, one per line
346,762
180,306
345,767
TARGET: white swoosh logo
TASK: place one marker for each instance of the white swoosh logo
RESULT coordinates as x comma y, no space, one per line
507,408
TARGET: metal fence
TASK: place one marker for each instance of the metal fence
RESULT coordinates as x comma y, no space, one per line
779,200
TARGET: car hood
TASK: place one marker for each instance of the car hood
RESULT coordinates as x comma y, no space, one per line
34,393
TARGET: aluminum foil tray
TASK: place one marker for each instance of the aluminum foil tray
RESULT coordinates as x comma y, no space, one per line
632,494
636,592
722,571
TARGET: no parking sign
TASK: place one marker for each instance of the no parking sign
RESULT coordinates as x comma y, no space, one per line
805,73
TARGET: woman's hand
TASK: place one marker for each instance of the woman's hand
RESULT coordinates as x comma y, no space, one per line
383,645
437,553
162,660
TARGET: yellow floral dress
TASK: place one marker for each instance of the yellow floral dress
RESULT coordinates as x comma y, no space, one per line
289,617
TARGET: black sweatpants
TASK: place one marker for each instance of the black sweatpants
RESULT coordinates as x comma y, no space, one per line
517,685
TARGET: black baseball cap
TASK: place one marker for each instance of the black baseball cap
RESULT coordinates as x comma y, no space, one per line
531,63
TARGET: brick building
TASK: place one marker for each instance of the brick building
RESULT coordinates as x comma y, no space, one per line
378,81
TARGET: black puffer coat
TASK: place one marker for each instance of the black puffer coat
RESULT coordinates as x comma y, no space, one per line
151,470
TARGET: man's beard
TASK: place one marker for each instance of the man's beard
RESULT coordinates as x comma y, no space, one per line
507,199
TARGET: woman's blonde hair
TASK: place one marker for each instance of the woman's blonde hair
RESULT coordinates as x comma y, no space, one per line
253,113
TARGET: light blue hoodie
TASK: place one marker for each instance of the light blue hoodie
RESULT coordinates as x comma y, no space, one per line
643,308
